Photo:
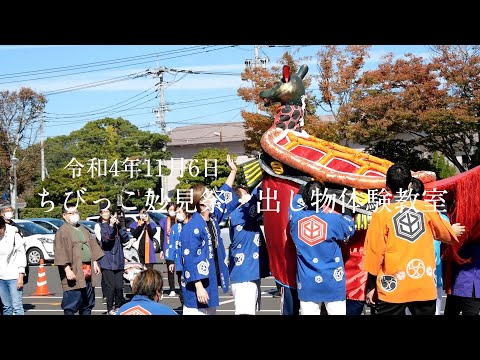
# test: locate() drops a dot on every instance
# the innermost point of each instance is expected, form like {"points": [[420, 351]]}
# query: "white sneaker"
{"points": [[172, 294], [112, 312]]}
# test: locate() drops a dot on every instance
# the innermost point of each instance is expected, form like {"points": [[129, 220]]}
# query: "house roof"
{"points": [[203, 133]]}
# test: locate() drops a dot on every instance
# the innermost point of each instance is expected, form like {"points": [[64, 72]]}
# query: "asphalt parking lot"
{"points": [[43, 305]]}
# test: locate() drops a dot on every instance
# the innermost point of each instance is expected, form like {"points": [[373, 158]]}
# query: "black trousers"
{"points": [[415, 307], [459, 304], [104, 288], [179, 278], [113, 287], [170, 275]]}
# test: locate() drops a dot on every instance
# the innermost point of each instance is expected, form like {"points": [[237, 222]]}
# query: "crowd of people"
{"points": [[340, 269]]}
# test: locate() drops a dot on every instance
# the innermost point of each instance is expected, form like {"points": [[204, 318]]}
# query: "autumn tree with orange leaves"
{"points": [[436, 102], [256, 124], [19, 115]]}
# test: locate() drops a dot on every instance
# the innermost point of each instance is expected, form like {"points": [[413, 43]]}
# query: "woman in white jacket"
{"points": [[12, 268]]}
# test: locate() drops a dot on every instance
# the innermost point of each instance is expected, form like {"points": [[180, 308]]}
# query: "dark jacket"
{"points": [[139, 232], [112, 239]]}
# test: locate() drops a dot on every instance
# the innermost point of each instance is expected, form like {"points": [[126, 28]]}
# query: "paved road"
{"points": [[42, 305]]}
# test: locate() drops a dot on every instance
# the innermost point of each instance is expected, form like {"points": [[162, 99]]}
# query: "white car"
{"points": [[38, 241]]}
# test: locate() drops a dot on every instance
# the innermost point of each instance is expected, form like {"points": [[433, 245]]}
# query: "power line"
{"points": [[209, 98], [109, 68], [117, 110], [97, 63], [92, 84], [111, 111], [97, 110], [204, 116]]}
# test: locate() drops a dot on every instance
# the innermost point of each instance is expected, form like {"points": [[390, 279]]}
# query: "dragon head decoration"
{"points": [[289, 90]]}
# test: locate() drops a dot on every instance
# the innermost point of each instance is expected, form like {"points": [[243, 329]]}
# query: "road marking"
{"points": [[44, 303], [51, 297], [103, 311], [221, 310], [59, 310], [226, 302]]}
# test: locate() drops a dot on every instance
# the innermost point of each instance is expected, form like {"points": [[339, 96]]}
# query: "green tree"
{"points": [[197, 173], [115, 143], [404, 151], [443, 168]]}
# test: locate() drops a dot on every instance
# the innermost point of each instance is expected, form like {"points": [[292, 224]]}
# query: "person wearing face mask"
{"points": [[172, 253], [248, 256], [147, 293], [7, 214], [144, 230], [12, 268], [166, 224], [6, 211], [112, 263], [202, 249], [76, 255]]}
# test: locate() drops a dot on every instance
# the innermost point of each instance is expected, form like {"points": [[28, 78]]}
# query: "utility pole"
{"points": [[42, 150], [14, 197], [160, 111], [162, 108], [257, 62], [219, 133]]}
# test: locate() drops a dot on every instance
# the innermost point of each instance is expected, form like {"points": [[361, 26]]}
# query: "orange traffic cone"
{"points": [[42, 287]]}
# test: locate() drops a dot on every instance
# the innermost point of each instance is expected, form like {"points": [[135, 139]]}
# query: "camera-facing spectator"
{"points": [[144, 230], [113, 235]]}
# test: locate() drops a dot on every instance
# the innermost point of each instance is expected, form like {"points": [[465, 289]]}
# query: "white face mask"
{"points": [[74, 218], [171, 213], [8, 215], [180, 217]]}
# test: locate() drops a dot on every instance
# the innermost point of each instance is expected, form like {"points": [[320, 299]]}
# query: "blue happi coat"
{"points": [[317, 237], [248, 256], [196, 247], [173, 249], [142, 305]]}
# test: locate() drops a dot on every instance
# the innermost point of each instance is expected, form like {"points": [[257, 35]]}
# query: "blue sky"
{"points": [[85, 83]]}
